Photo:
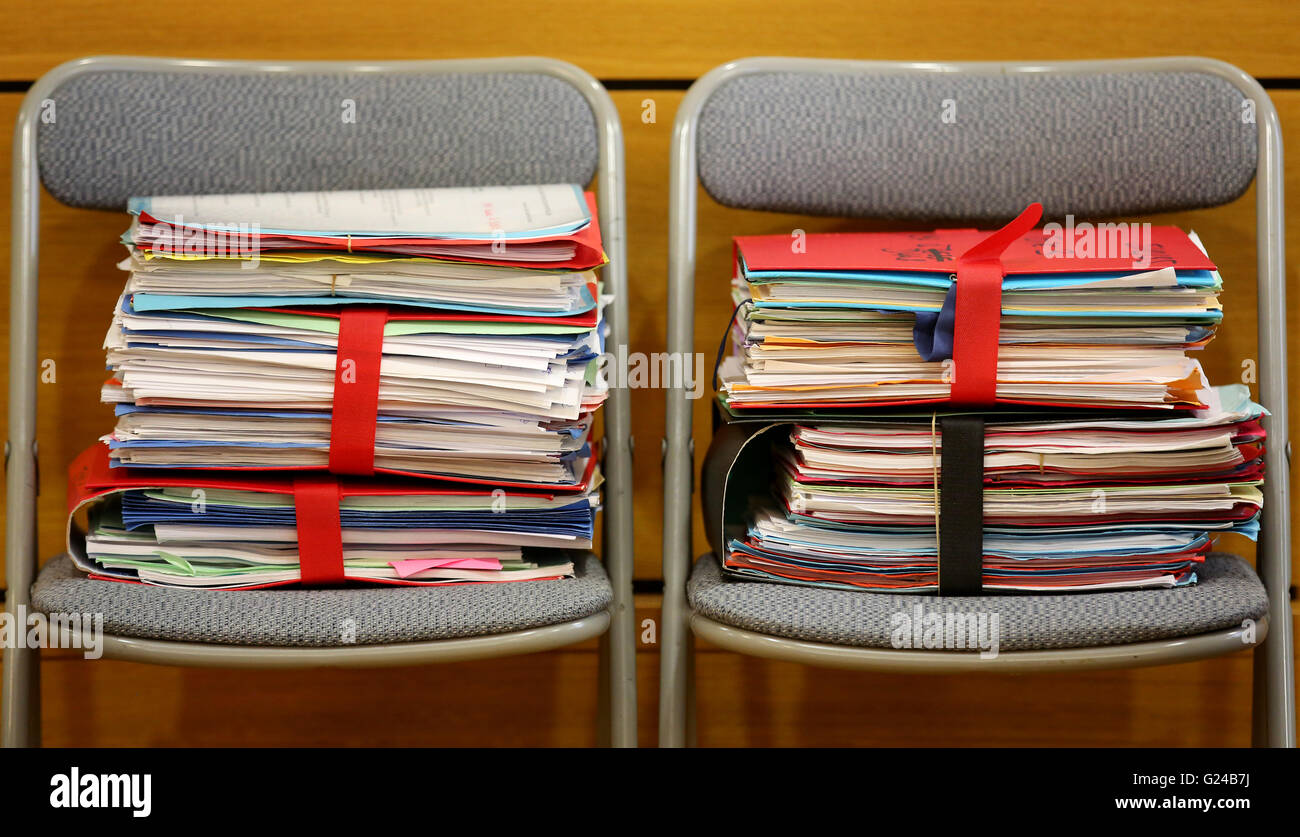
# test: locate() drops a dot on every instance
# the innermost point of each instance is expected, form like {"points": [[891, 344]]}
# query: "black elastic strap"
{"points": [[961, 506]]}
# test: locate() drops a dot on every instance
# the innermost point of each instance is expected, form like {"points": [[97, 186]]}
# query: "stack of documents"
{"points": [[223, 532], [1071, 503], [223, 345], [539, 225], [451, 337], [847, 320]]}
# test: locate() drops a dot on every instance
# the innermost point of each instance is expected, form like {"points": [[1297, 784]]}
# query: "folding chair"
{"points": [[141, 126], [867, 139]]}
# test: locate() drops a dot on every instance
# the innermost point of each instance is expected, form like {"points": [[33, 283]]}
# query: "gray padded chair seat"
{"points": [[1229, 592], [317, 618]]}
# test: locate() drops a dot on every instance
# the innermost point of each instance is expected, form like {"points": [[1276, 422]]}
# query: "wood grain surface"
{"points": [[550, 699], [625, 39]]}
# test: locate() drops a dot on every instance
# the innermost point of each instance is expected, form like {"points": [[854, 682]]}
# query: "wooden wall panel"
{"points": [[546, 700], [662, 39], [538, 700], [549, 700], [751, 702], [80, 284]]}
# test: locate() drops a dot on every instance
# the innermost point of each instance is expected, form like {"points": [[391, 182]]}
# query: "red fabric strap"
{"points": [[356, 390], [978, 313], [320, 533], [975, 333]]}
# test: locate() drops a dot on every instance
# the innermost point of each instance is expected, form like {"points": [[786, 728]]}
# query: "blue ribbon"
{"points": [[932, 332]]}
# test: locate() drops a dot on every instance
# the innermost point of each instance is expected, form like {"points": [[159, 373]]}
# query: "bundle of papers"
{"points": [[847, 320], [223, 347], [492, 225], [1071, 503], [229, 533]]}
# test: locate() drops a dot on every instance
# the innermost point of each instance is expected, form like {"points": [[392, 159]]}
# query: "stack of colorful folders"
{"points": [[226, 531], [857, 320], [1070, 503], [1117, 468], [436, 351]]}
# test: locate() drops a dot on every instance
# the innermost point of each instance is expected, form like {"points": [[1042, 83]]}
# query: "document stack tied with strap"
{"points": [[1073, 442], [393, 386]]}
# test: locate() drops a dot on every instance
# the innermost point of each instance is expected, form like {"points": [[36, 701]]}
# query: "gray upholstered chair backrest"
{"points": [[942, 145], [119, 133]]}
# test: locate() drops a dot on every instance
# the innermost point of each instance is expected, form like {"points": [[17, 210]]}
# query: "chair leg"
{"points": [[692, 739], [1258, 698], [21, 693], [621, 675], [604, 722], [1273, 716], [674, 679]]}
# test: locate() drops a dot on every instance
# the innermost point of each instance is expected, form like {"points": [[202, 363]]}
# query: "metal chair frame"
{"points": [[1273, 688], [20, 719]]}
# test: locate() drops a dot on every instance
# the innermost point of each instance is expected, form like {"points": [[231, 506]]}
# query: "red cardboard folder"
{"points": [[938, 251]]}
